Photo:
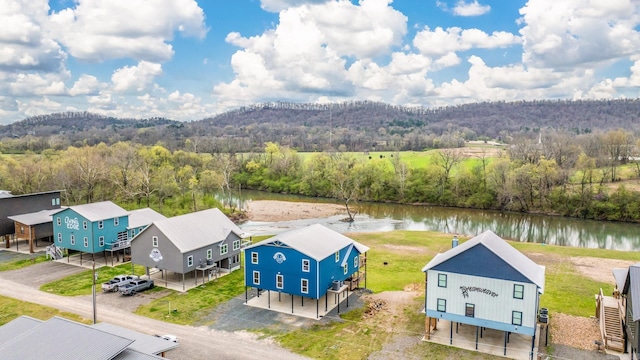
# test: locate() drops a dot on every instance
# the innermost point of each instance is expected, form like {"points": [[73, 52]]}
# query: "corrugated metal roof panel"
{"points": [[99, 210], [62, 339], [129, 354], [17, 326], [196, 230], [501, 248], [143, 217], [34, 218], [144, 343], [316, 241]]}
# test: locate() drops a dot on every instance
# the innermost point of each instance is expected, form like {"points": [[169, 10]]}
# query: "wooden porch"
{"points": [[610, 313]]}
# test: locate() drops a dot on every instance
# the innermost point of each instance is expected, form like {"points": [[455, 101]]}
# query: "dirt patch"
{"points": [[272, 210], [599, 269], [577, 332]]}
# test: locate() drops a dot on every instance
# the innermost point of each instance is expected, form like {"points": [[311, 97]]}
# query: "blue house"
{"points": [[312, 262], [90, 228]]}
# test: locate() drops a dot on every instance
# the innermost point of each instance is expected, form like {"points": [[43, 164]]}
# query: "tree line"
{"points": [[592, 175]]}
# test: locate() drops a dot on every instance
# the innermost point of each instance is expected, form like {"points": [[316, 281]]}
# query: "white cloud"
{"points": [[97, 30], [135, 78], [441, 42], [35, 84], [39, 106], [86, 85], [566, 33], [279, 5], [473, 8]]}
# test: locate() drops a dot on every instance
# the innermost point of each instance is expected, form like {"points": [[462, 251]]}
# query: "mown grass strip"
{"points": [[81, 283], [12, 308], [21, 263]]}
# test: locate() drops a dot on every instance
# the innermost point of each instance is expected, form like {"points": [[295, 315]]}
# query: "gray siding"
{"points": [[24, 204]]}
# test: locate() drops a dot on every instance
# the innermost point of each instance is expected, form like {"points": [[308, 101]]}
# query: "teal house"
{"points": [[90, 228]]}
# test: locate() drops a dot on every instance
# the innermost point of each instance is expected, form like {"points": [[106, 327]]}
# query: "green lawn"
{"points": [[19, 264], [81, 283], [12, 309]]}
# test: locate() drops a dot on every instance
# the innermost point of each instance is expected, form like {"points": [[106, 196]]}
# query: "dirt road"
{"points": [[195, 342]]}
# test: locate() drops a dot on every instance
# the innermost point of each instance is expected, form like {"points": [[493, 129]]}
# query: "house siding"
{"points": [[71, 223], [493, 300], [24, 204]]}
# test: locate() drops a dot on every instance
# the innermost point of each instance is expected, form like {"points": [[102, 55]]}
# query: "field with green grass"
{"points": [[19, 264], [81, 283], [12, 309]]}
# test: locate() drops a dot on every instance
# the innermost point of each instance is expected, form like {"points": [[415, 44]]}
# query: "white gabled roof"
{"points": [[502, 249], [315, 241], [196, 230], [143, 217], [98, 211]]}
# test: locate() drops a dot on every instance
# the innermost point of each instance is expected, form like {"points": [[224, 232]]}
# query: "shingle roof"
{"points": [[196, 230], [34, 218], [98, 211], [143, 217], [315, 241], [144, 343], [495, 244], [62, 339]]}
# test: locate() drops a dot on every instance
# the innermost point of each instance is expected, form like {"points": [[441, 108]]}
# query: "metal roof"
{"points": [[632, 285], [62, 339], [98, 211], [143, 343], [5, 194], [620, 275], [316, 241], [35, 218], [17, 326], [143, 217], [129, 354], [196, 230], [502, 249]]}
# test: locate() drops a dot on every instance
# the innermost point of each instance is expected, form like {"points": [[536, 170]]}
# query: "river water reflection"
{"points": [[541, 229]]}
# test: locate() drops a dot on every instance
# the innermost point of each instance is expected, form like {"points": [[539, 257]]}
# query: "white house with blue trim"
{"points": [[486, 283], [311, 262]]}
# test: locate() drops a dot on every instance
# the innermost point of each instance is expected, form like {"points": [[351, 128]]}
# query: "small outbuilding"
{"points": [[205, 242], [486, 283], [311, 262], [33, 227]]}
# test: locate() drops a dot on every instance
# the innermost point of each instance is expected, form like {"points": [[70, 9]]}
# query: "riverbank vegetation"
{"points": [[593, 176]]}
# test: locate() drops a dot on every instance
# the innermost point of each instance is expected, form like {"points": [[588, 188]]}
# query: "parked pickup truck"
{"points": [[117, 282], [136, 286]]}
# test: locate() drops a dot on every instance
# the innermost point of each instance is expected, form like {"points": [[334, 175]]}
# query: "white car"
{"points": [[172, 338]]}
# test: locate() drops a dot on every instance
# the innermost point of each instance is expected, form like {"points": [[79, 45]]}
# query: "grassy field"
{"points": [[19, 264], [12, 309]]}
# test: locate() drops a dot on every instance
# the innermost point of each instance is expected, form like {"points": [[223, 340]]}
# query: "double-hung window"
{"points": [[304, 286], [86, 242], [101, 241], [116, 221], [256, 278], [306, 265], [73, 239], [190, 261], [59, 237], [470, 310], [84, 224], [59, 220], [154, 241], [345, 268], [356, 262], [224, 248], [209, 254], [442, 280], [100, 224], [442, 305], [279, 281], [518, 291], [236, 245], [516, 318], [254, 257], [337, 256]]}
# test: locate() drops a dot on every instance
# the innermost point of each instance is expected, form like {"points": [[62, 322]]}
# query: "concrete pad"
{"points": [[491, 342], [303, 307], [171, 280]]}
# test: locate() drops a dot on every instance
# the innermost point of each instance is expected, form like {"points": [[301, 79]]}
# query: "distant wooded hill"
{"points": [[354, 125]]}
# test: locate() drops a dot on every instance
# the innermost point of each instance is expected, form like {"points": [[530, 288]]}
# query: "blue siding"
{"points": [[72, 223], [482, 262], [320, 276]]}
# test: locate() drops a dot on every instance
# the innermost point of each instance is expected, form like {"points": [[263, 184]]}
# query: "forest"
{"points": [[591, 175]]}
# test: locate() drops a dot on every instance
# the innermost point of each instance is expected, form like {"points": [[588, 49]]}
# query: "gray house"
{"points": [[201, 243], [11, 205]]}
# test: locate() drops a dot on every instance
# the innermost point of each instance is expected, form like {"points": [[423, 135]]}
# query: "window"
{"points": [[442, 280], [337, 256], [21, 229], [57, 201], [236, 245], [84, 224], [59, 221], [304, 286], [59, 237], [224, 248], [470, 310], [279, 281], [73, 239], [305, 265], [345, 268], [442, 305], [254, 257], [235, 259], [101, 241], [209, 254], [518, 291], [132, 233], [53, 202], [100, 224], [356, 262], [116, 221], [256, 278], [86, 242], [190, 261], [516, 317], [154, 240]]}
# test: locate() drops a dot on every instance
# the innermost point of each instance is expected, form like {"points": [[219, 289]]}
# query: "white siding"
{"points": [[487, 307]]}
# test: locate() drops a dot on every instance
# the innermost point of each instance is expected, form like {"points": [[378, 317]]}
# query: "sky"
{"points": [[187, 60]]}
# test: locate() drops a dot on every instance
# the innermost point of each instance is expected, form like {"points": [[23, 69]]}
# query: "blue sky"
{"points": [[188, 59]]}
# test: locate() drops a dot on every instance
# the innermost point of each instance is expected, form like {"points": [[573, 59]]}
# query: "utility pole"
{"points": [[93, 289]]}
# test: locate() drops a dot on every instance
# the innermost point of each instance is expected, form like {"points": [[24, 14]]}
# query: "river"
{"points": [[543, 229]]}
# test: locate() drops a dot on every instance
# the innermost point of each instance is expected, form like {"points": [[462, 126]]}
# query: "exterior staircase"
{"points": [[54, 252], [610, 316]]}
